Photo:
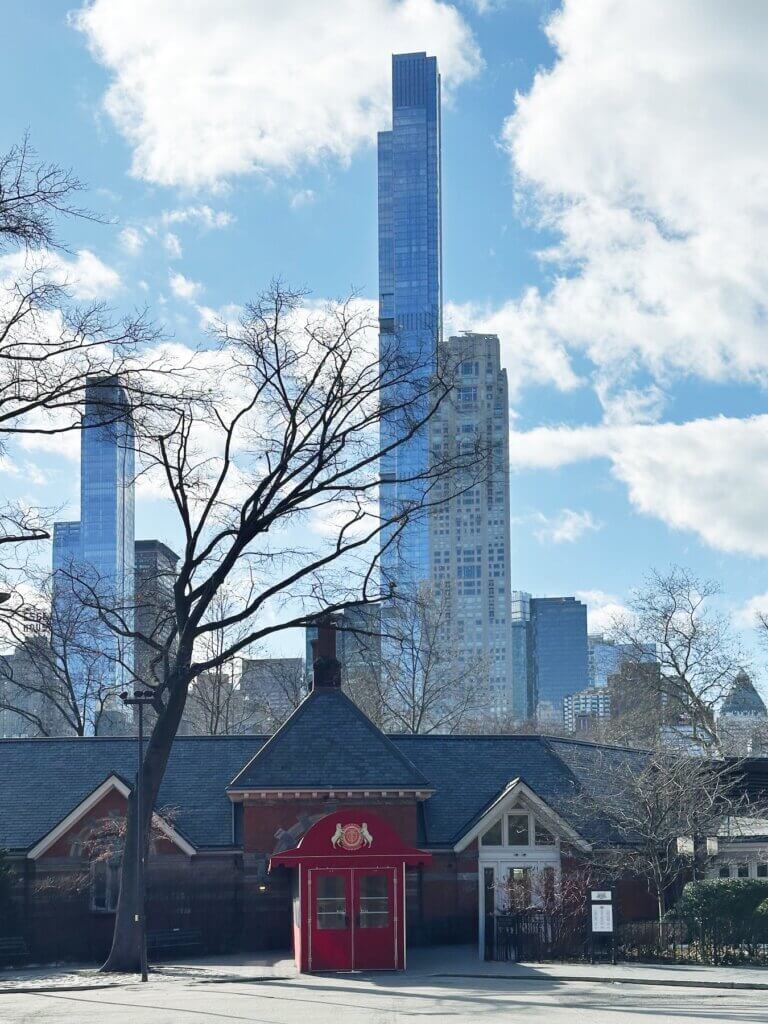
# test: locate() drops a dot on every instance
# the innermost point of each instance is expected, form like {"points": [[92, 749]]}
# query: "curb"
{"points": [[159, 976], [31, 989], [607, 979]]}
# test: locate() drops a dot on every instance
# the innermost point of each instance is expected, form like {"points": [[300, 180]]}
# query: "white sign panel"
{"points": [[601, 894], [602, 917]]}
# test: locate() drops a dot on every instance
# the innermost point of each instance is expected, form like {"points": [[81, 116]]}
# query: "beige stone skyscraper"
{"points": [[469, 536]]}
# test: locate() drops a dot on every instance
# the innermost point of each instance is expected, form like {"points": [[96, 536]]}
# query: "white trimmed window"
{"points": [[518, 828]]}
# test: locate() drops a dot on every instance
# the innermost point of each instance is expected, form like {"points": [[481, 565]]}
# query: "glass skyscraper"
{"points": [[558, 634], [99, 549], [549, 654], [410, 294]]}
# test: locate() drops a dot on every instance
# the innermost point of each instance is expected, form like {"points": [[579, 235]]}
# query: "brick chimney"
{"points": [[326, 668]]}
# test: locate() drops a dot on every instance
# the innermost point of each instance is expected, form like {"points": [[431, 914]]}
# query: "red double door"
{"points": [[353, 921]]}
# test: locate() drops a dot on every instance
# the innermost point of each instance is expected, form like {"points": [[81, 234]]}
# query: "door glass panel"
{"points": [[374, 901], [518, 829], [489, 888], [331, 906], [519, 888]]}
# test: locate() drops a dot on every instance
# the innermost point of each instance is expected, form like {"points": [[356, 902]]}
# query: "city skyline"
{"points": [[601, 479]]}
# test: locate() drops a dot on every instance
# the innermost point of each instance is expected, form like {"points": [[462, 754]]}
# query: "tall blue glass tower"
{"points": [[410, 295], [99, 549]]}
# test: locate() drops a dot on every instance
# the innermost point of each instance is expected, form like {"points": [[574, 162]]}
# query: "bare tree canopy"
{"points": [[50, 346], [671, 614], [419, 679], [657, 808]]}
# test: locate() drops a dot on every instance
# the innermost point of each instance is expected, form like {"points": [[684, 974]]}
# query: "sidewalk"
{"points": [[441, 962], [463, 962]]}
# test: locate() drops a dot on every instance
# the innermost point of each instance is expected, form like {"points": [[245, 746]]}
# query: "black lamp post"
{"points": [[139, 699]]}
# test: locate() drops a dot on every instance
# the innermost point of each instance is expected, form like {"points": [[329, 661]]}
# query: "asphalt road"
{"points": [[384, 999]]}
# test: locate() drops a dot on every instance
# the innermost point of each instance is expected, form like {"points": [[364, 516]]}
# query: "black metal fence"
{"points": [[534, 935], [694, 942]]}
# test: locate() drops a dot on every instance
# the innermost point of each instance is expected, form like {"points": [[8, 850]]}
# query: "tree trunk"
{"points": [[662, 908], [124, 954]]}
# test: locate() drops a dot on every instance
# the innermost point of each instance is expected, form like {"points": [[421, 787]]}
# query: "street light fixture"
{"points": [[139, 699]]}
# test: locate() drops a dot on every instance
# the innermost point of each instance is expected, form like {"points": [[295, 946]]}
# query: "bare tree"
{"points": [[216, 704], [422, 680], [272, 689], [59, 679], [50, 347], [294, 438], [657, 808], [694, 646]]}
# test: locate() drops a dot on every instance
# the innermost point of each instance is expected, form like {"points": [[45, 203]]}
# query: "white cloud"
{"points": [[131, 240], [565, 527], [89, 277], [644, 146], [602, 609], [237, 86], [183, 288], [302, 198], [707, 476], [172, 245], [529, 354], [746, 615], [86, 276], [200, 214]]}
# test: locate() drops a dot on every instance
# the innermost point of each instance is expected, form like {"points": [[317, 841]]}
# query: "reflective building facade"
{"points": [[100, 547], [558, 634], [410, 291], [549, 654]]}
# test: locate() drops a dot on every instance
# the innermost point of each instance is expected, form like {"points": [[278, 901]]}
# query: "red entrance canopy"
{"points": [[349, 894]]}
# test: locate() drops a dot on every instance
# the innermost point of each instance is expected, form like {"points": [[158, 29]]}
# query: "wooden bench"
{"points": [[174, 940], [13, 949]]}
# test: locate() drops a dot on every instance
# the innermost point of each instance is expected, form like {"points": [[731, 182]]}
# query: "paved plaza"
{"points": [[448, 984], [354, 999]]}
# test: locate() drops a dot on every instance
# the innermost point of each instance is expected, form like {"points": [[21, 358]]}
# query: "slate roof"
{"points": [[328, 743], [743, 699], [469, 772], [42, 780]]}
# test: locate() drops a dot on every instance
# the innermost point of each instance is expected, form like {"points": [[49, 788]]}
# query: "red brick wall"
{"points": [[262, 819]]}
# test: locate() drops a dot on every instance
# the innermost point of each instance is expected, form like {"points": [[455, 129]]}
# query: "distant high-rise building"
{"points": [[521, 656], [581, 709], [155, 574], [469, 535], [410, 294], [560, 665], [271, 689], [98, 549], [607, 656], [743, 719], [358, 642]]}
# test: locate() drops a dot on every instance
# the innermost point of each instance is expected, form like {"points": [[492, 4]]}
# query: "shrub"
{"points": [[723, 900]]}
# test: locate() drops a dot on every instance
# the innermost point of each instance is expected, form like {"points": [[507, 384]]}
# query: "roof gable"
{"points": [[518, 794], [329, 744], [112, 782], [42, 780]]}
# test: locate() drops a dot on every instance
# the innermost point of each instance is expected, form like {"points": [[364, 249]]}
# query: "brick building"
{"points": [[462, 815]]}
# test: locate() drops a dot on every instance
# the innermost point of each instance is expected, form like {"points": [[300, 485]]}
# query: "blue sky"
{"points": [[605, 211]]}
